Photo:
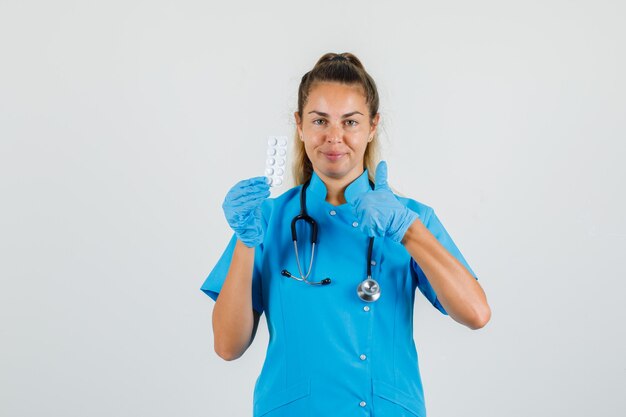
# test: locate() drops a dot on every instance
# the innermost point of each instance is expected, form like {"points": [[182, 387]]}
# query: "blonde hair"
{"points": [[343, 68]]}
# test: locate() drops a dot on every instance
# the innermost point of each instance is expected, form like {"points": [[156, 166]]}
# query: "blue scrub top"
{"points": [[330, 353]]}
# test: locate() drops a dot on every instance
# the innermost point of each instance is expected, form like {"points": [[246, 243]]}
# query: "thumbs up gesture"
{"points": [[380, 213]]}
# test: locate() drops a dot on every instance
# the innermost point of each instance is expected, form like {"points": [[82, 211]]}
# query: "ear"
{"points": [[374, 124], [296, 116]]}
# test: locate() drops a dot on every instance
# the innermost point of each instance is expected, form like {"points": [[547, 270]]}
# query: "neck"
{"points": [[335, 193], [335, 187]]}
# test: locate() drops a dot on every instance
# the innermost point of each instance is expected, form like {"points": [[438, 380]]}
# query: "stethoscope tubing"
{"points": [[368, 290]]}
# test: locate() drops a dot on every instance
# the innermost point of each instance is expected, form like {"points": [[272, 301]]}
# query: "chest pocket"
{"points": [[294, 401]]}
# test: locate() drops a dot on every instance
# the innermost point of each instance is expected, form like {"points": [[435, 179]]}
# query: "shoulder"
{"points": [[281, 201]]}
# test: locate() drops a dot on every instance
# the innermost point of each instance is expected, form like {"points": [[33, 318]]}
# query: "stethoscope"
{"points": [[368, 290]]}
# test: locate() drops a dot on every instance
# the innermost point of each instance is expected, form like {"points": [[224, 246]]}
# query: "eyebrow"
{"points": [[344, 116]]}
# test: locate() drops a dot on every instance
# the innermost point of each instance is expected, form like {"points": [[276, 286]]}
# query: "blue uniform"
{"points": [[330, 353]]}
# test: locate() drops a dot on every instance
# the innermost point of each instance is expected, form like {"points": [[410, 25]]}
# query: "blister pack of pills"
{"points": [[276, 161]]}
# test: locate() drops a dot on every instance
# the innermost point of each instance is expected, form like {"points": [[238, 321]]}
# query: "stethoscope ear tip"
{"points": [[326, 281], [285, 273]]}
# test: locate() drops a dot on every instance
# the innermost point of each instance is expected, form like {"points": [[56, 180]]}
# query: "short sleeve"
{"points": [[214, 281], [433, 224]]}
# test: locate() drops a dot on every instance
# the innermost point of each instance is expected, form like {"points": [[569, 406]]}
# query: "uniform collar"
{"points": [[359, 185]]}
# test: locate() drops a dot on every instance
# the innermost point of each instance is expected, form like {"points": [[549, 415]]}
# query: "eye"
{"points": [[352, 122], [318, 121]]}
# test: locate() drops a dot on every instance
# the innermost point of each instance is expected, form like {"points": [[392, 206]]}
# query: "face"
{"points": [[335, 128]]}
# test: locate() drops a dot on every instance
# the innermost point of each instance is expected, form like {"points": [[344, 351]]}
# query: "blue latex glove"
{"points": [[242, 208], [379, 212]]}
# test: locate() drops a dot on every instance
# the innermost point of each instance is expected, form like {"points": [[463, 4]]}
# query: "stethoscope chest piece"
{"points": [[368, 290]]}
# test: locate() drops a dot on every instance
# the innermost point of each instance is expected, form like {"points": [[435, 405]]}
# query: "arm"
{"points": [[457, 290], [234, 320]]}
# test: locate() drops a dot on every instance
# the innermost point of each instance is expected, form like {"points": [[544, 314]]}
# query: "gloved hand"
{"points": [[242, 208], [379, 212]]}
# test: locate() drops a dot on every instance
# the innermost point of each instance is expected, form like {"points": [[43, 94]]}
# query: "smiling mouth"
{"points": [[333, 156]]}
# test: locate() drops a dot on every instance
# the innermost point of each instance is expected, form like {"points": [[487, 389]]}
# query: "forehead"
{"points": [[332, 97]]}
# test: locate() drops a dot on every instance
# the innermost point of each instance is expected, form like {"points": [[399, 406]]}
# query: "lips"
{"points": [[333, 156]]}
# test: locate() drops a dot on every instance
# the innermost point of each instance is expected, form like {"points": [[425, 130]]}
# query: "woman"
{"points": [[336, 347]]}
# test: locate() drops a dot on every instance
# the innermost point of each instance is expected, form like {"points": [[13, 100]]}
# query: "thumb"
{"points": [[381, 176]]}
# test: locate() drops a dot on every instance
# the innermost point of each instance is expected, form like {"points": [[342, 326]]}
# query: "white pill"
{"points": [[276, 159]]}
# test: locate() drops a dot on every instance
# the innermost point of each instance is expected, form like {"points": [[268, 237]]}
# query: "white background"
{"points": [[124, 123]]}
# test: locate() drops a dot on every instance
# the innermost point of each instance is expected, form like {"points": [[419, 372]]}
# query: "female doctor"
{"points": [[338, 301]]}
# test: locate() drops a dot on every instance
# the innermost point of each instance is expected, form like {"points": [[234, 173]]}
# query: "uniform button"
{"points": [[362, 403], [363, 357], [355, 224], [366, 308], [373, 262], [333, 212]]}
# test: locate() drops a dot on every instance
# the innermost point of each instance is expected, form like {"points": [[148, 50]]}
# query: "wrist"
{"points": [[250, 237], [414, 231]]}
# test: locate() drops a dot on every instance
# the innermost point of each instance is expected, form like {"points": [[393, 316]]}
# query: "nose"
{"points": [[334, 135]]}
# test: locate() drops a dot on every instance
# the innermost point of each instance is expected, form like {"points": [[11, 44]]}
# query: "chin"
{"points": [[337, 172], [331, 173]]}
